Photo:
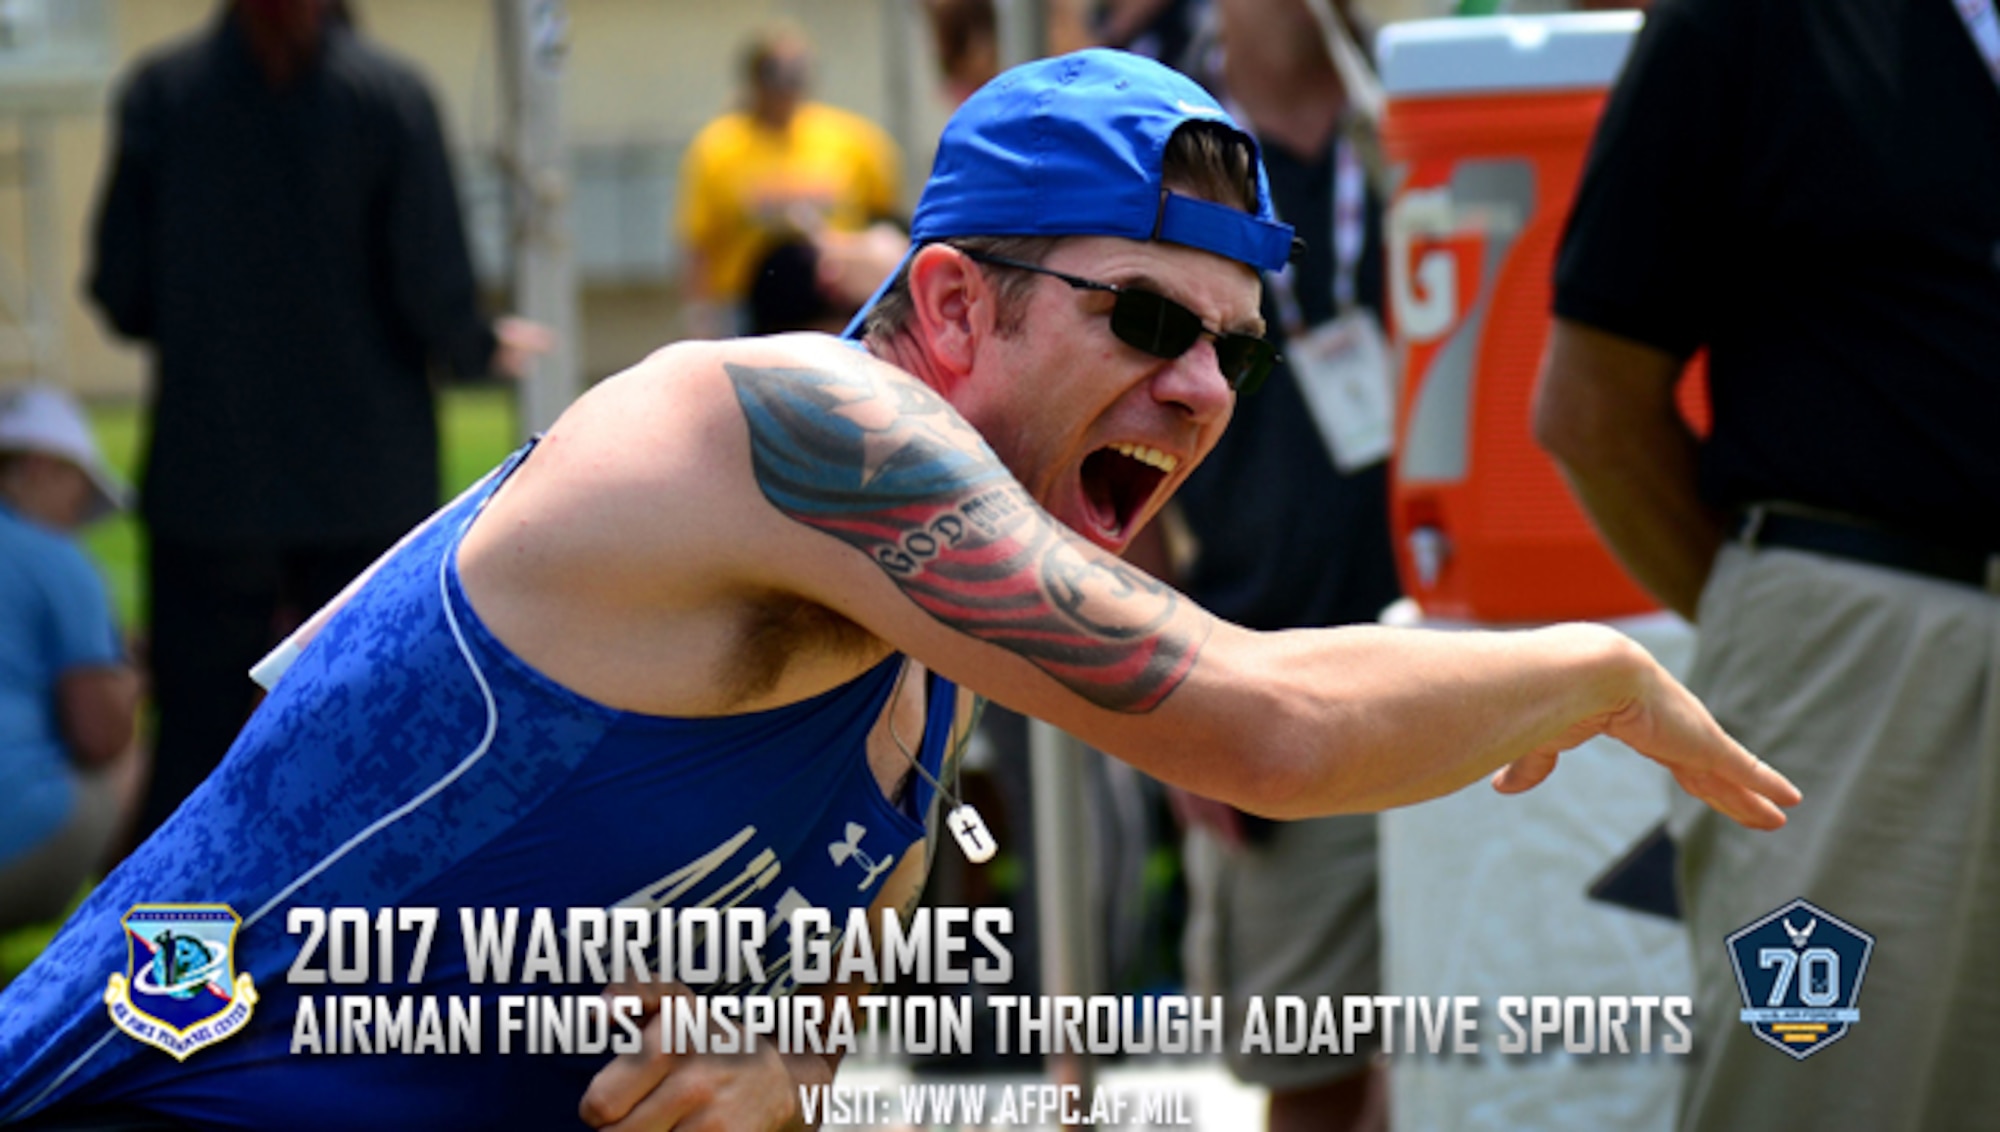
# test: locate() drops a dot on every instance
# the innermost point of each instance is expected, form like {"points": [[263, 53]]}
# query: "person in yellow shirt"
{"points": [[781, 168]]}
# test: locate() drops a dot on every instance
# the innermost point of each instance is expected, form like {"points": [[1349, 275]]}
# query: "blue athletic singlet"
{"points": [[408, 758]]}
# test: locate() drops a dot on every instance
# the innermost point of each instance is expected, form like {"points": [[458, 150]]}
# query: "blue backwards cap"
{"points": [[1073, 146]]}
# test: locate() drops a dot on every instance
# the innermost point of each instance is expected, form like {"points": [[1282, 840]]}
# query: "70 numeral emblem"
{"points": [[1818, 966]]}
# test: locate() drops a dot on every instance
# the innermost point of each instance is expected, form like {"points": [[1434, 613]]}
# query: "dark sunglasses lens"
{"points": [[1154, 323], [1245, 361], [1165, 329]]}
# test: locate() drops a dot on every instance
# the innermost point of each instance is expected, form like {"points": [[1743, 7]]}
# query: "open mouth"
{"points": [[1119, 480]]}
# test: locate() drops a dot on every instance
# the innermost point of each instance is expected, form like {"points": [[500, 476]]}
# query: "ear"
{"points": [[953, 308]]}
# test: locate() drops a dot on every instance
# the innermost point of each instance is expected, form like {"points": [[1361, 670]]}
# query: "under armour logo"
{"points": [[840, 851], [1800, 935]]}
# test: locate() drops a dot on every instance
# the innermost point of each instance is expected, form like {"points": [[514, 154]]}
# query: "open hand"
{"points": [[1667, 724]]}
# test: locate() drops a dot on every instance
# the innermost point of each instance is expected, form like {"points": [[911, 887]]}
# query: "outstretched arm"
{"points": [[976, 580]]}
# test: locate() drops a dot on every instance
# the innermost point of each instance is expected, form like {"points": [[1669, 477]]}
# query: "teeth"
{"points": [[1152, 456]]}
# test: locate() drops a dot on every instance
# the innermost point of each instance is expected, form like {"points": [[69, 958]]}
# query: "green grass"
{"points": [[480, 427], [19, 947], [477, 425], [115, 541]]}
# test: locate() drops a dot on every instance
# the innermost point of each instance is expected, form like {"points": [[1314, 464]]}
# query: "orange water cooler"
{"points": [[1487, 124]]}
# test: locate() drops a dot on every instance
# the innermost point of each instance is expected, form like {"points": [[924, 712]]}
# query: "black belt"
{"points": [[1877, 546]]}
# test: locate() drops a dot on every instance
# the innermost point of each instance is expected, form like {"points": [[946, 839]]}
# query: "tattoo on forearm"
{"points": [[892, 470]]}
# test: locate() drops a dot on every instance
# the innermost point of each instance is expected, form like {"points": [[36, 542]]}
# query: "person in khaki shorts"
{"points": [[1836, 536]]}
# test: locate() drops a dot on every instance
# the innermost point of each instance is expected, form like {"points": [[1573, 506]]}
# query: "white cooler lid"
{"points": [[1560, 51]]}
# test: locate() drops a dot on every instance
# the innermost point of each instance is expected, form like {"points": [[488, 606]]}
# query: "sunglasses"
{"points": [[1159, 326]]}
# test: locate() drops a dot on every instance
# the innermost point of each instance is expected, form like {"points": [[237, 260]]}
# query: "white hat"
{"points": [[42, 418]]}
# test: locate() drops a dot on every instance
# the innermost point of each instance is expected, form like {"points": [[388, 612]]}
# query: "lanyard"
{"points": [[1350, 208], [1350, 184], [1984, 27]]}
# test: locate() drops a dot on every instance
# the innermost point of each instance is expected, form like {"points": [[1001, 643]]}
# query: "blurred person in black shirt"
{"points": [[280, 226], [1811, 192]]}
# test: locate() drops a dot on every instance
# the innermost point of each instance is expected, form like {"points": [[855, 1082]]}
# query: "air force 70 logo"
{"points": [[1799, 970], [180, 990]]}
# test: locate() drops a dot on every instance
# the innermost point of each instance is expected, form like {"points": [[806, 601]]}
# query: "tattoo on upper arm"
{"points": [[891, 469]]}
